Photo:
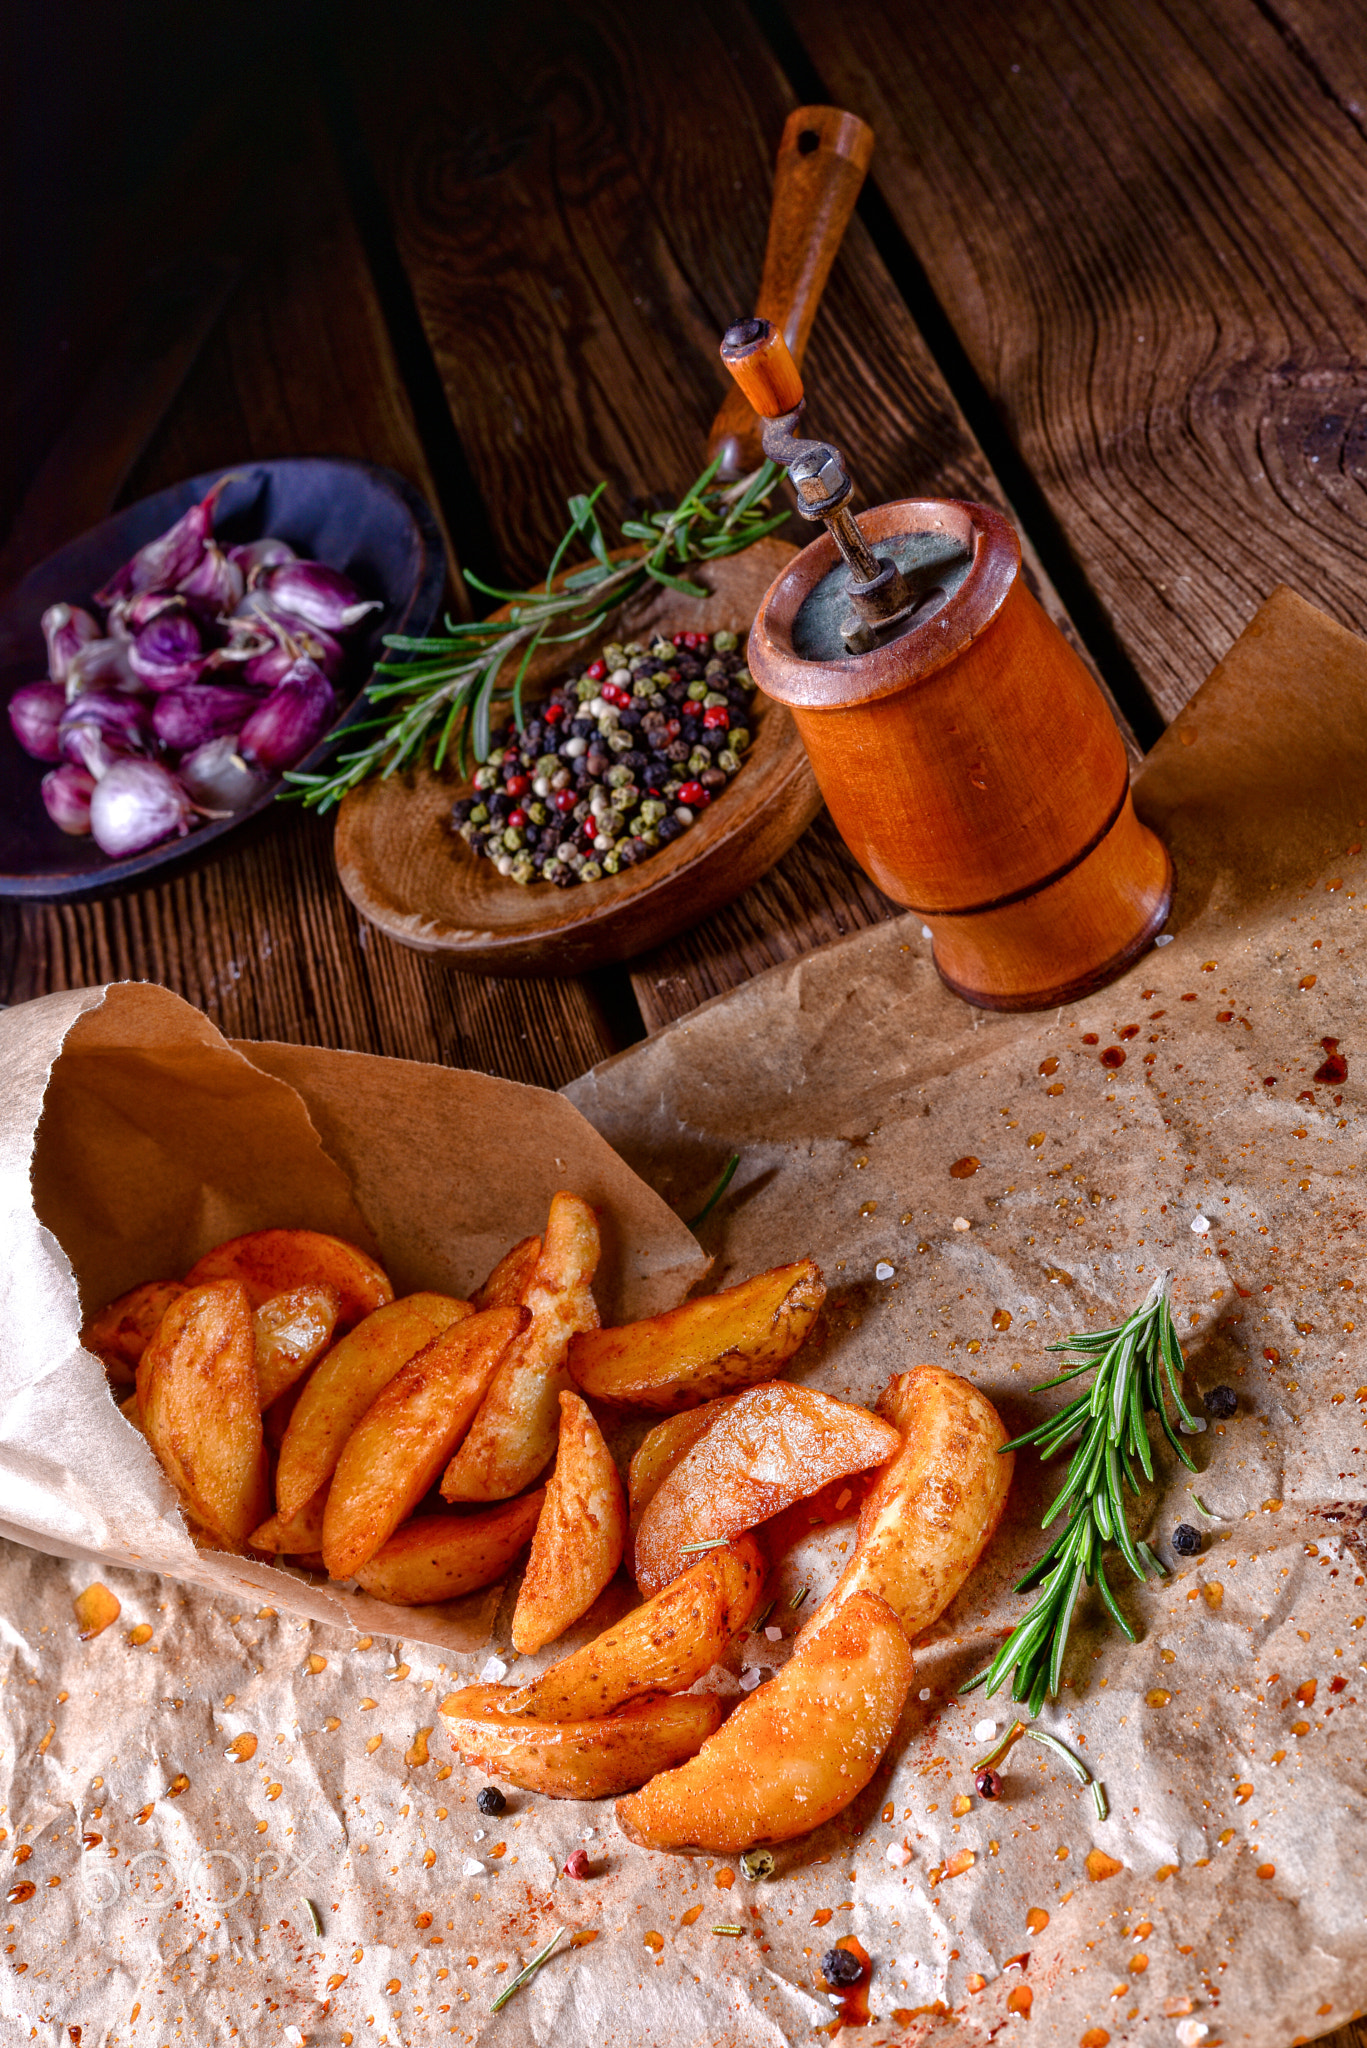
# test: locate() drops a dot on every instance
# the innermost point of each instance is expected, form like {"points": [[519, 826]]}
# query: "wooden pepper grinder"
{"points": [[968, 758]]}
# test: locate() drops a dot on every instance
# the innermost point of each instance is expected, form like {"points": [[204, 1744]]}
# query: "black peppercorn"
{"points": [[1186, 1541], [1221, 1402], [838, 1966], [491, 1800], [670, 828], [987, 1784]]}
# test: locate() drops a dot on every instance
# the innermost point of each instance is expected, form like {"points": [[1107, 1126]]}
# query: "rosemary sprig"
{"points": [[438, 693], [1137, 1364]]}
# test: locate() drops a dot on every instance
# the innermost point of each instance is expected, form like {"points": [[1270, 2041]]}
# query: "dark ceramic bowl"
{"points": [[365, 521]]}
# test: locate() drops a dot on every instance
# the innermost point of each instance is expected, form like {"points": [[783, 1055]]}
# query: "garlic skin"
{"points": [[215, 582], [98, 729], [66, 629], [219, 780], [255, 555], [66, 798], [318, 595], [100, 665], [172, 556]]}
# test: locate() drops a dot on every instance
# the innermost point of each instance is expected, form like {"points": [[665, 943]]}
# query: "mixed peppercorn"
{"points": [[617, 762]]}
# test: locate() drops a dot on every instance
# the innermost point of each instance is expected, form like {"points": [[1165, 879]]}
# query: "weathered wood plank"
{"points": [[1143, 221]]}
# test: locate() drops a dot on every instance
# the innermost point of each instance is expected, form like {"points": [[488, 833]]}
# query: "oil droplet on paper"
{"points": [[1021, 2000], [96, 1609], [141, 1634], [241, 1749], [180, 1783], [724, 1880], [821, 1916], [1157, 1697], [19, 1893], [1001, 1318], [313, 1663], [1100, 1866], [1037, 1919], [1095, 2037], [687, 1919], [588, 1934], [965, 1168], [417, 1753], [653, 1941]]}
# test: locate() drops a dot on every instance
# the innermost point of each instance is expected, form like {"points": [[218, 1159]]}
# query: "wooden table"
{"points": [[1108, 272]]}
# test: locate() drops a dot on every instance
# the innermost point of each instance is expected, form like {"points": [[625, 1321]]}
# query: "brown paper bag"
{"points": [[134, 1137]]}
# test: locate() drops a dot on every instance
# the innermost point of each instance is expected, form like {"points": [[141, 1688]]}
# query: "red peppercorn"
{"points": [[553, 713], [596, 671], [578, 1864], [673, 728], [693, 794], [564, 799], [517, 819], [717, 715], [681, 639], [987, 1784], [517, 784], [690, 708]]}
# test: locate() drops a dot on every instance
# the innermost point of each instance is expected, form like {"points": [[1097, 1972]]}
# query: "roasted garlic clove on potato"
{"points": [[200, 1412], [345, 1383], [580, 1535], [120, 1334], [440, 1557], [795, 1752], [770, 1446], [271, 1262], [515, 1433], [291, 1332], [661, 1646], [407, 1434], [934, 1508], [578, 1759], [714, 1345]]}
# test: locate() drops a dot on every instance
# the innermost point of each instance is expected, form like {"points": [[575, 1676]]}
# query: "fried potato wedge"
{"points": [[298, 1535], [271, 1262], [511, 1277], [345, 1383], [200, 1411], [120, 1334], [580, 1536], [935, 1507], [439, 1557], [578, 1759], [659, 1452], [773, 1445], [291, 1332], [710, 1346], [662, 1646], [516, 1431], [410, 1429], [793, 1754]]}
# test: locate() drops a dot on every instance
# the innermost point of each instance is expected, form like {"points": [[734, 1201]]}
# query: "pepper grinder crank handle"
{"points": [[756, 354]]}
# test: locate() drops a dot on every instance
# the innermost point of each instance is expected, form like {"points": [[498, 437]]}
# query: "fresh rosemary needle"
{"points": [[432, 697], [1137, 1365]]}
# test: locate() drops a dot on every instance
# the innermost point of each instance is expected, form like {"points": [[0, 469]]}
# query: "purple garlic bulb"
{"points": [[134, 806], [215, 583], [218, 778], [184, 718], [98, 729], [66, 796], [317, 594], [35, 712], [168, 652], [293, 718], [66, 629], [100, 665], [255, 555], [163, 563]]}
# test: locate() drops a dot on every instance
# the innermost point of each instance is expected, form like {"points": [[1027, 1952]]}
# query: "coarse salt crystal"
{"points": [[898, 1854], [472, 1867], [983, 1731], [749, 1679], [292, 2034], [883, 1271], [962, 1223], [1164, 939], [924, 1693], [494, 1669], [479, 1834], [1189, 2032], [774, 1633], [926, 932], [1200, 1224]]}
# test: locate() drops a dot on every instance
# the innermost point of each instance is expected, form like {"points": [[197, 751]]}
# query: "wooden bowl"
{"points": [[408, 873]]}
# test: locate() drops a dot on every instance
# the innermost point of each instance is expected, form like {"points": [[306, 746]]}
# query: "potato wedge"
{"points": [[935, 1507], [298, 1535], [407, 1434], [291, 1332], [511, 1277], [662, 1646], [515, 1433], [580, 1535], [774, 1444], [714, 1345], [439, 1557], [578, 1759], [120, 1334], [345, 1383], [271, 1262], [659, 1452], [793, 1754], [200, 1412]]}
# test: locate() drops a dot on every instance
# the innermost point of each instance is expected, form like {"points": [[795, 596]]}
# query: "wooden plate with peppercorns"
{"points": [[407, 870]]}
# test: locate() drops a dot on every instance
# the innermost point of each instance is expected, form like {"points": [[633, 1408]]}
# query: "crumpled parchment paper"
{"points": [[1223, 1892]]}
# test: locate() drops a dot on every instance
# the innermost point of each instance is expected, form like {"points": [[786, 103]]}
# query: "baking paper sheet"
{"points": [[1225, 1889]]}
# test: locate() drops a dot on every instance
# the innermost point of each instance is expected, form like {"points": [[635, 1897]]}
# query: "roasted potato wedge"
{"points": [[407, 1434], [291, 1332], [439, 1557], [511, 1277], [711, 1346], [343, 1386], [120, 1334], [515, 1433], [580, 1535], [300, 1535], [773, 1445], [662, 1646], [200, 1412], [793, 1754], [271, 1262], [935, 1507], [578, 1759], [659, 1452]]}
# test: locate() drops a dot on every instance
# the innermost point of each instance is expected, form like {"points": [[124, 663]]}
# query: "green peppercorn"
{"points": [[697, 691], [512, 840], [712, 697], [724, 642], [739, 740], [584, 689], [479, 814], [698, 760], [467, 831], [652, 810], [727, 761], [497, 756], [591, 871], [644, 686], [612, 861], [715, 668], [553, 870], [647, 835], [618, 777], [624, 798], [538, 813], [546, 764], [660, 649], [524, 869], [485, 778], [620, 742]]}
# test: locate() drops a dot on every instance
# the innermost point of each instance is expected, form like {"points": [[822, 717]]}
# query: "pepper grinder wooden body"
{"points": [[971, 763]]}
